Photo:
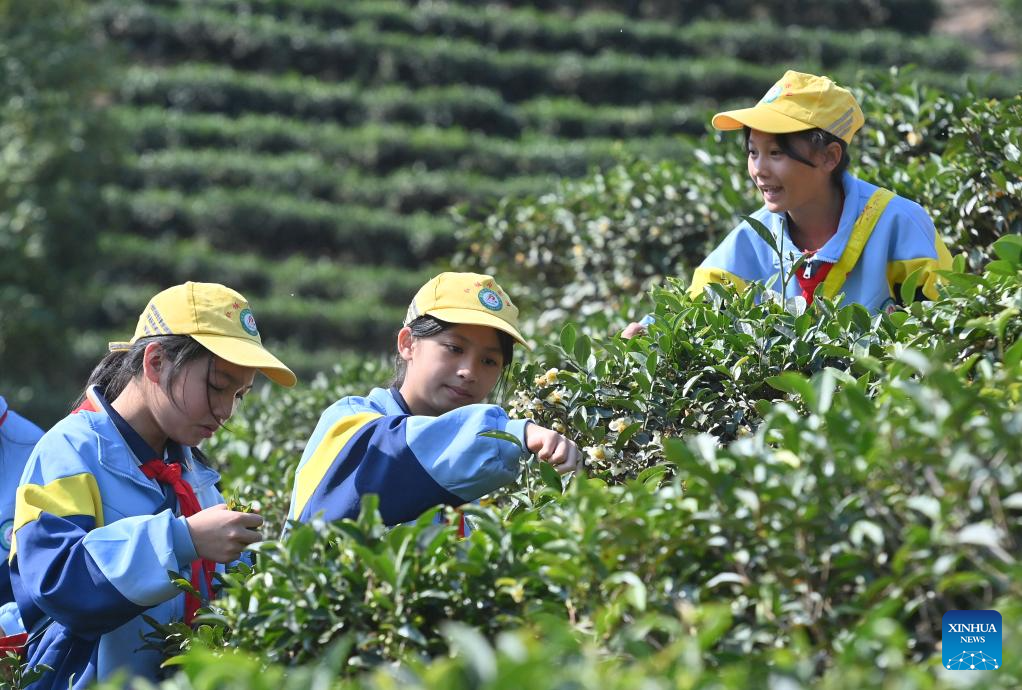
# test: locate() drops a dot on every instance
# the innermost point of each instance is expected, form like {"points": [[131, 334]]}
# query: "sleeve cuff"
{"points": [[516, 427], [184, 549], [10, 619]]}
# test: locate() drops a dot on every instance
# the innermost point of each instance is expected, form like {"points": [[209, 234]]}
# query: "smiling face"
{"points": [[788, 185], [457, 367], [197, 402]]}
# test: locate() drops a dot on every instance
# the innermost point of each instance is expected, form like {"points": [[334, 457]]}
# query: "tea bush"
{"points": [[772, 497]]}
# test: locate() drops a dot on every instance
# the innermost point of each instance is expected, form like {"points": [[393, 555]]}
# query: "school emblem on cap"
{"points": [[248, 322], [490, 299], [773, 94], [6, 534]]}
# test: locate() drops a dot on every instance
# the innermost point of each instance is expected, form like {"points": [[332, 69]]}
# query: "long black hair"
{"points": [[427, 326], [818, 141], [115, 371], [118, 368]]}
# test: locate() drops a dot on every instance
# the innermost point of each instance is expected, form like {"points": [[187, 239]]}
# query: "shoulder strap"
{"points": [[861, 231]]}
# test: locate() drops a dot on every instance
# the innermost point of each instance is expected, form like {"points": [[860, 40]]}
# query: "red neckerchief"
{"points": [[809, 279], [202, 569], [3, 418]]}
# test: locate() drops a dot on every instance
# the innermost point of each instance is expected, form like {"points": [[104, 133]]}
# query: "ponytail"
{"points": [[115, 371]]}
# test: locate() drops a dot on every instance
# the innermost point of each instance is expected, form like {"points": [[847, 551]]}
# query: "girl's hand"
{"points": [[552, 447], [220, 535], [633, 329]]}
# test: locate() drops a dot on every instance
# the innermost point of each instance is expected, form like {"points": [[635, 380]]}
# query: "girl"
{"points": [[417, 444], [17, 438], [857, 239], [114, 496]]}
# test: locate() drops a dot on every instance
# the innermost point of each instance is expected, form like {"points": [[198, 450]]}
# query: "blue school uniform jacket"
{"points": [[374, 445], [94, 539], [902, 240], [17, 438]]}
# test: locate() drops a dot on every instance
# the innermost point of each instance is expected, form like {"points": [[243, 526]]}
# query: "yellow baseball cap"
{"points": [[218, 318], [469, 298], [798, 102]]}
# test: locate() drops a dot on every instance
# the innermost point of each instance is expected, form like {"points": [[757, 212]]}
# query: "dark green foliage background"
{"points": [[58, 151]]}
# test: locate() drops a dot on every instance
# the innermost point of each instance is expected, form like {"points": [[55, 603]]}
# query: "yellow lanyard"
{"points": [[861, 231]]}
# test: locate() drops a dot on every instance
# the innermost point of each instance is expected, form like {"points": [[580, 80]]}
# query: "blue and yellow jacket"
{"points": [[375, 445], [18, 437], [94, 539], [875, 259]]}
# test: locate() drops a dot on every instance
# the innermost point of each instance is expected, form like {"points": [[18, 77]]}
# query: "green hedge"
{"points": [[134, 258], [382, 149], [206, 87], [307, 176], [261, 43], [279, 225], [211, 88], [909, 16], [592, 33]]}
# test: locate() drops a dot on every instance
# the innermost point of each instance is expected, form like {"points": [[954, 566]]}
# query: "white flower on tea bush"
{"points": [[549, 378], [600, 455], [602, 226], [603, 458], [524, 406], [555, 397], [620, 424]]}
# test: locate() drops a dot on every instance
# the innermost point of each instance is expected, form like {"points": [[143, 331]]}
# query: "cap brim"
{"points": [[760, 117], [246, 353], [478, 318]]}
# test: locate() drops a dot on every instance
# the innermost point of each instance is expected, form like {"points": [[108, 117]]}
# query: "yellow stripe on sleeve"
{"points": [[312, 473], [703, 276], [944, 262], [898, 271], [74, 495]]}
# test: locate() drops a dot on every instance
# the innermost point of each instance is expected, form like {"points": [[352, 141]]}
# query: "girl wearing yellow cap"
{"points": [[114, 496], [417, 443], [853, 237]]}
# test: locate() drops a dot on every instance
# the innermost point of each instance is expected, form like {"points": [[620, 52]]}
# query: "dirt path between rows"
{"points": [[976, 22]]}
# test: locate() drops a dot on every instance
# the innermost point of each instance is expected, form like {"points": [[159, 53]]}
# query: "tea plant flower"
{"points": [[620, 424], [547, 379]]}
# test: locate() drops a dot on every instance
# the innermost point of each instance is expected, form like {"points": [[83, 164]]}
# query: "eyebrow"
{"points": [[491, 348], [231, 381]]}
